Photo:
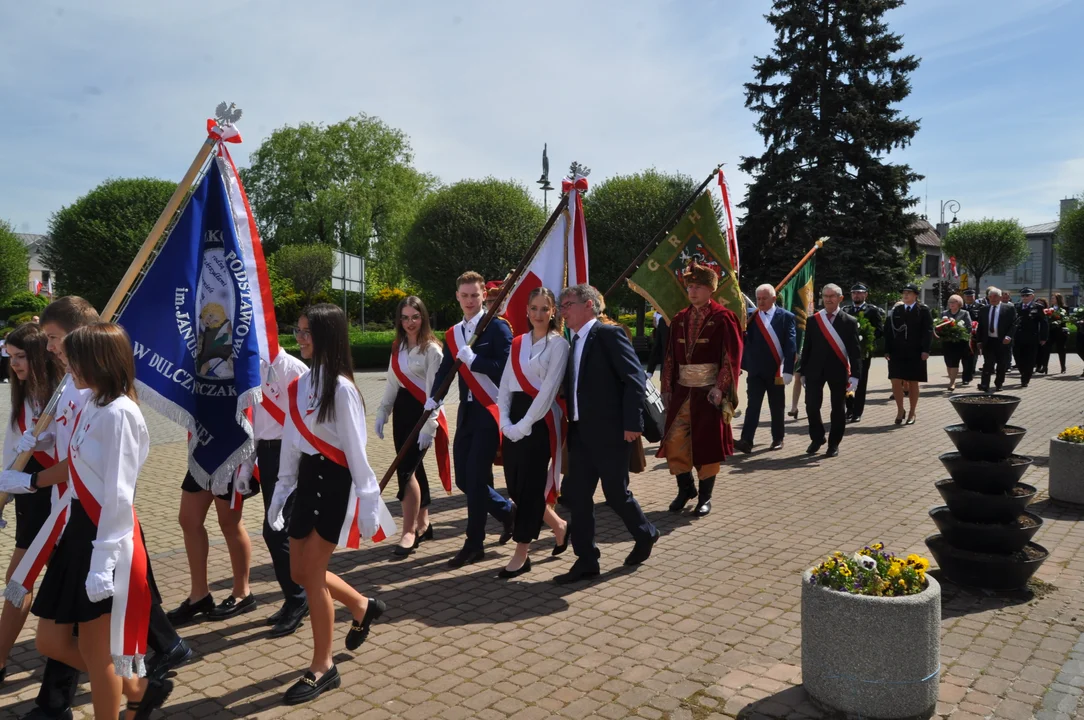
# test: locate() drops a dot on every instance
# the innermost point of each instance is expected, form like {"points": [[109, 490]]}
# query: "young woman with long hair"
{"points": [[337, 498], [98, 576], [531, 424], [415, 359], [33, 376]]}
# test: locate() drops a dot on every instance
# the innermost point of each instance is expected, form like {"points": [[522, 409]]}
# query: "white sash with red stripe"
{"points": [[416, 387], [531, 383], [481, 386], [772, 340], [829, 332], [350, 534]]}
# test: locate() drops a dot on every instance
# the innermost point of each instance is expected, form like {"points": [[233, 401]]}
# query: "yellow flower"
{"points": [[913, 559], [837, 554], [894, 569], [903, 583], [878, 546], [844, 571], [922, 564]]}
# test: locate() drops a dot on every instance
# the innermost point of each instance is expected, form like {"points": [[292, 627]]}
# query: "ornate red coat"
{"points": [[715, 337]]}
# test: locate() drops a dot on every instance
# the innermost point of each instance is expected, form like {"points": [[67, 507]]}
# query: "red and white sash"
{"points": [[417, 390], [830, 334], [555, 417], [44, 459], [131, 612], [350, 535], [483, 389], [772, 340]]}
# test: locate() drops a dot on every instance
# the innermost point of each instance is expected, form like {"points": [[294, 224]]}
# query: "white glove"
{"points": [[380, 420], [243, 483], [431, 404], [28, 442], [466, 355], [788, 378], [523, 429], [282, 493], [511, 433], [15, 482], [220, 485], [368, 513], [852, 385], [424, 441], [99, 582]]}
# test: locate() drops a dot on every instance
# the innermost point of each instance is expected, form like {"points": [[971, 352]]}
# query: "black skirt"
{"points": [[907, 367], [321, 500], [62, 596], [189, 485], [526, 470], [31, 510], [955, 352], [404, 417]]}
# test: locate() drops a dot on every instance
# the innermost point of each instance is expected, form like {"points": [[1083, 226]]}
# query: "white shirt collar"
{"points": [[582, 332], [767, 313]]}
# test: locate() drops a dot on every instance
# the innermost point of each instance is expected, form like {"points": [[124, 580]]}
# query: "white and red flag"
{"points": [[955, 268], [731, 226], [565, 248]]}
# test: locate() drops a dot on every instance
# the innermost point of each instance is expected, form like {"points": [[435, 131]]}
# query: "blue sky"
{"points": [[118, 89]]}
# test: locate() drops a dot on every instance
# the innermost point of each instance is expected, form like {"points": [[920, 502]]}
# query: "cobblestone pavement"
{"points": [[708, 627]]}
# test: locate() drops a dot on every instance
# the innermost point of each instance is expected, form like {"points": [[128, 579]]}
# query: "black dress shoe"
{"points": [[984, 388], [426, 534], [359, 631], [466, 556], [188, 611], [702, 508], [580, 570], [154, 697], [776, 445], [833, 451], [401, 551], [509, 527], [290, 621], [509, 574], [276, 617], [856, 418], [685, 494], [744, 446], [558, 549], [38, 714], [813, 448], [231, 607], [309, 688], [159, 666], [793, 414], [1023, 385], [641, 551]]}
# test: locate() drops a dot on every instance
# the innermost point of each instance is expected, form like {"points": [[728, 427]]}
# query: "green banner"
{"points": [[697, 236], [798, 296]]}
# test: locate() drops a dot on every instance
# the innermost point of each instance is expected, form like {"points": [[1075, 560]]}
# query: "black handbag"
{"points": [[654, 414]]}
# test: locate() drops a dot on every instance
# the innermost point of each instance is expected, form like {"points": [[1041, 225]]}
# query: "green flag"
{"points": [[697, 236], [797, 296]]}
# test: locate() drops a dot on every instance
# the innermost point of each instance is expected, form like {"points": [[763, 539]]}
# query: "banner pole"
{"points": [[816, 246]]}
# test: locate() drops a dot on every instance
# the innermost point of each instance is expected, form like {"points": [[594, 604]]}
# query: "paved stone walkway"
{"points": [[709, 627]]}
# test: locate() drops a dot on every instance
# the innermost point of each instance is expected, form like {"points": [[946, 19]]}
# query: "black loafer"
{"points": [[580, 570], [360, 631], [276, 617], [641, 551], [509, 527], [231, 607], [833, 451], [188, 611], [154, 697], [813, 448], [309, 688], [290, 621], [466, 556], [159, 666], [509, 574]]}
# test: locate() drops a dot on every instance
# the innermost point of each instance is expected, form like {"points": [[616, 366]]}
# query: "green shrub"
{"points": [[21, 318], [23, 302]]}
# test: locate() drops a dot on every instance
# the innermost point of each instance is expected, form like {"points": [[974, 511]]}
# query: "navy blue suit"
{"points": [[758, 362], [477, 436]]}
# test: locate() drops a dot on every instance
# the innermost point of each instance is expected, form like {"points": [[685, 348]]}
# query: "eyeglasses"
{"points": [[569, 303], [300, 334], [410, 318]]}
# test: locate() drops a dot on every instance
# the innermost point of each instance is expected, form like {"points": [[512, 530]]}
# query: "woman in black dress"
{"points": [[1059, 329], [908, 335], [956, 351]]}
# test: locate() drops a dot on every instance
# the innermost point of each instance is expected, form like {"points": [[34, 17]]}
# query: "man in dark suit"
{"points": [[660, 340], [477, 434], [997, 323], [1032, 331], [768, 361], [604, 391], [830, 356], [973, 308], [876, 316]]}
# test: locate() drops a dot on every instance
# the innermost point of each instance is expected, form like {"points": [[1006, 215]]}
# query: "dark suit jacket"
{"points": [[908, 334], [1006, 323], [819, 359], [756, 357], [660, 339], [492, 353], [610, 392], [1032, 325]]}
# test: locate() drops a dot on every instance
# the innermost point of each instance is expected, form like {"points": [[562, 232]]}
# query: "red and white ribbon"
{"points": [[418, 392], [830, 334], [481, 386], [773, 343]]}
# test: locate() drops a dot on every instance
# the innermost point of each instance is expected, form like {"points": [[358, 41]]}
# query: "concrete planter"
{"points": [[1067, 471], [875, 657]]}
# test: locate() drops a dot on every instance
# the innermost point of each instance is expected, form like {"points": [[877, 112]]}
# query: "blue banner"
{"points": [[194, 332]]}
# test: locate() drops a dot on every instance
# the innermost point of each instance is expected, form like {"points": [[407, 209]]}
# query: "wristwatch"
{"points": [[34, 481]]}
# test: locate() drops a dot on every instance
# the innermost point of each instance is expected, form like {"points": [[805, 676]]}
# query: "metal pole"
{"points": [[363, 293]]}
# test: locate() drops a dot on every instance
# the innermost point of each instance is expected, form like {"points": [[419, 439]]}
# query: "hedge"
{"points": [[370, 349]]}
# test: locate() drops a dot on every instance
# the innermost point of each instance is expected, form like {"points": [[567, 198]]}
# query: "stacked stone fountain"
{"points": [[985, 530]]}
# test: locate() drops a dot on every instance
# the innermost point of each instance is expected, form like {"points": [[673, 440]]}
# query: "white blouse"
{"points": [[69, 405], [30, 415], [276, 380], [422, 366], [346, 432], [548, 358]]}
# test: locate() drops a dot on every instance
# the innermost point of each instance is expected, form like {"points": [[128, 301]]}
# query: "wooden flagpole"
{"points": [[134, 269], [509, 283], [662, 233], [816, 246]]}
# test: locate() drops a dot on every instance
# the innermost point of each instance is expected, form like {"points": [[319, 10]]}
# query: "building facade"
{"points": [[38, 271], [1042, 271]]}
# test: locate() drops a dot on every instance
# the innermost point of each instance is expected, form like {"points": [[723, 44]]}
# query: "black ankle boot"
{"points": [[703, 500], [686, 492]]}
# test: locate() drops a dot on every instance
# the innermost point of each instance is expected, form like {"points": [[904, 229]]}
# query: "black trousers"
{"points": [[970, 361], [526, 469], [1057, 344], [588, 464], [1025, 354], [277, 541], [995, 359], [404, 416], [756, 387], [473, 453], [857, 404], [814, 398]]}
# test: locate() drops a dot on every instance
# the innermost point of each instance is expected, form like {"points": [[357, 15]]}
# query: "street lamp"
{"points": [[942, 230], [544, 181]]}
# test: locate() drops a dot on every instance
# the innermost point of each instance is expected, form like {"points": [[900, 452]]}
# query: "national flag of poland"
{"points": [[567, 239], [955, 269]]}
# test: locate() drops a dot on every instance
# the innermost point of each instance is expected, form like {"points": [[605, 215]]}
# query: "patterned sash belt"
{"points": [[698, 375]]}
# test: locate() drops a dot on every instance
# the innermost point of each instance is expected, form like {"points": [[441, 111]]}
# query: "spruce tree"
{"points": [[826, 97]]}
